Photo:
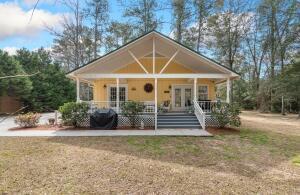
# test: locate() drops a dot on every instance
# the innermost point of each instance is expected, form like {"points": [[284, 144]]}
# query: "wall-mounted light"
{"points": [[170, 87], [104, 86]]}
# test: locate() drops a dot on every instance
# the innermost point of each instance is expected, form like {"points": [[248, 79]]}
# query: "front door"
{"points": [[181, 97]]}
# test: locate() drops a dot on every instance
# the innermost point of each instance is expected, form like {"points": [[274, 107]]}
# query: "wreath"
{"points": [[148, 87]]}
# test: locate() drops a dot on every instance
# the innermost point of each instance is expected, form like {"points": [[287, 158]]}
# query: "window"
{"points": [[203, 92], [113, 95]]}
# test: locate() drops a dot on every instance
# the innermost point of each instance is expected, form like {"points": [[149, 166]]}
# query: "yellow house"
{"points": [[157, 71]]}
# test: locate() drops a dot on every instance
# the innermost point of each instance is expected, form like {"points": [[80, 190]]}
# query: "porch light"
{"points": [[104, 86], [170, 87]]}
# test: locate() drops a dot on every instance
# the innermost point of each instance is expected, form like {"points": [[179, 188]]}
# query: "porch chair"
{"points": [[165, 106]]}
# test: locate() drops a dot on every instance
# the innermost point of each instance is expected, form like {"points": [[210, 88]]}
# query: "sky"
{"points": [[18, 31]]}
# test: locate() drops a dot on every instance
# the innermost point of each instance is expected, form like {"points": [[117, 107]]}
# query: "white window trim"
{"points": [[198, 90], [115, 85]]}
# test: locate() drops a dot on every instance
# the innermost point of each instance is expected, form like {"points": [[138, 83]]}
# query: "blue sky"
{"points": [[16, 31]]}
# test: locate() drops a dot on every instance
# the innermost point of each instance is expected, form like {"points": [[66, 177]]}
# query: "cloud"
{"points": [[33, 2], [13, 50], [10, 50], [14, 21]]}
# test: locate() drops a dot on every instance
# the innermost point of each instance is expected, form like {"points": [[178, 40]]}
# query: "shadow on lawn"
{"points": [[245, 153]]}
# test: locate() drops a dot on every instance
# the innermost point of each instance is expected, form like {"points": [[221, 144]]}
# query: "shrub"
{"points": [[131, 109], [72, 113], [27, 120], [227, 114]]}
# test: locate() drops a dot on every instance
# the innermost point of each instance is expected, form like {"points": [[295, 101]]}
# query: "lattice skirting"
{"points": [[211, 121], [147, 119]]}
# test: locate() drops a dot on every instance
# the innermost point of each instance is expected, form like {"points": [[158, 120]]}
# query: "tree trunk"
{"points": [[282, 106]]}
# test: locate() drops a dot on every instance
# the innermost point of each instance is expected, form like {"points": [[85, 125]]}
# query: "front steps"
{"points": [[177, 121]]}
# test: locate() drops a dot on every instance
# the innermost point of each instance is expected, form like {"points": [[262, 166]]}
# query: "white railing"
{"points": [[199, 114], [149, 106], [207, 106]]}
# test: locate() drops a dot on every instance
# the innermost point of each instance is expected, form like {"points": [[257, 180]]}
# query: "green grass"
{"points": [[296, 160], [188, 147], [256, 137], [150, 144]]}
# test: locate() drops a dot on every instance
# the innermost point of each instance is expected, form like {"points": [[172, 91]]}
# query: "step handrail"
{"points": [[199, 114]]}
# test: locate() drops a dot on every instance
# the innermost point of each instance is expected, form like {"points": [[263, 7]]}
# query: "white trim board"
{"points": [[175, 76]]}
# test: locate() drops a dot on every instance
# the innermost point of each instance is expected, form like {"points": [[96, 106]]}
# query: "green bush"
{"points": [[227, 114], [72, 113], [131, 109], [28, 120]]}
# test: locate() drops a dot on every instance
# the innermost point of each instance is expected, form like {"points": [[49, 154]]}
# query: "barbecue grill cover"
{"points": [[104, 119]]}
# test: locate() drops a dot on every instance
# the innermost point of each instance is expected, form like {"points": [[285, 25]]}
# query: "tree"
{"points": [[280, 20], [142, 13], [227, 30], [255, 52], [289, 83], [181, 16], [67, 51], [50, 88], [73, 46], [202, 10], [118, 35], [15, 86], [97, 11]]}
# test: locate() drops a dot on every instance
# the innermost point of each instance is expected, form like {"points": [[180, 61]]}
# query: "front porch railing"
{"points": [[207, 106], [149, 106], [199, 114]]}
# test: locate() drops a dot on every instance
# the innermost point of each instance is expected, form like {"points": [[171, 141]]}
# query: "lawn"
{"points": [[234, 161]]}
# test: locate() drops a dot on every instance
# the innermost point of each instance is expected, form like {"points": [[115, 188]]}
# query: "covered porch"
{"points": [[176, 93]]}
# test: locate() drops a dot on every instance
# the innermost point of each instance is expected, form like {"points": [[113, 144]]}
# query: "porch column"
{"points": [[155, 101], [77, 90], [195, 89], [118, 95], [228, 90]]}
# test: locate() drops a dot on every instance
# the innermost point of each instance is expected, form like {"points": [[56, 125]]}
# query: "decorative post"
{"points": [[118, 95], [228, 90], [77, 90], [155, 101], [153, 57], [195, 89]]}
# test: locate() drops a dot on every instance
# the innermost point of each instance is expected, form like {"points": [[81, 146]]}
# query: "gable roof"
{"points": [[160, 35]]}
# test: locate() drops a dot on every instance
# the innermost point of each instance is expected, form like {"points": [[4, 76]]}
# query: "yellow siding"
{"points": [[136, 86], [100, 92]]}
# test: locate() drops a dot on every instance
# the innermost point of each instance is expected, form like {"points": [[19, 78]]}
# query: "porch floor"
{"points": [[160, 132]]}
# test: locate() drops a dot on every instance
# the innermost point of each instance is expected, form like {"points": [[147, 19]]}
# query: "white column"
{"points": [[228, 90], [155, 101], [153, 57], [77, 90], [195, 89], [118, 95]]}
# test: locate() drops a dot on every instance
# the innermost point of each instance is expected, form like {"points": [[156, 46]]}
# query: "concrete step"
{"points": [[178, 123], [184, 126], [176, 119]]}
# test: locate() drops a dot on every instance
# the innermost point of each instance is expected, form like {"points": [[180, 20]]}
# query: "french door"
{"points": [[112, 95], [181, 97]]}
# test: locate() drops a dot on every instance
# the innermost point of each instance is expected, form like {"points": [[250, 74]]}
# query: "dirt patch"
{"points": [[222, 131], [288, 124]]}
